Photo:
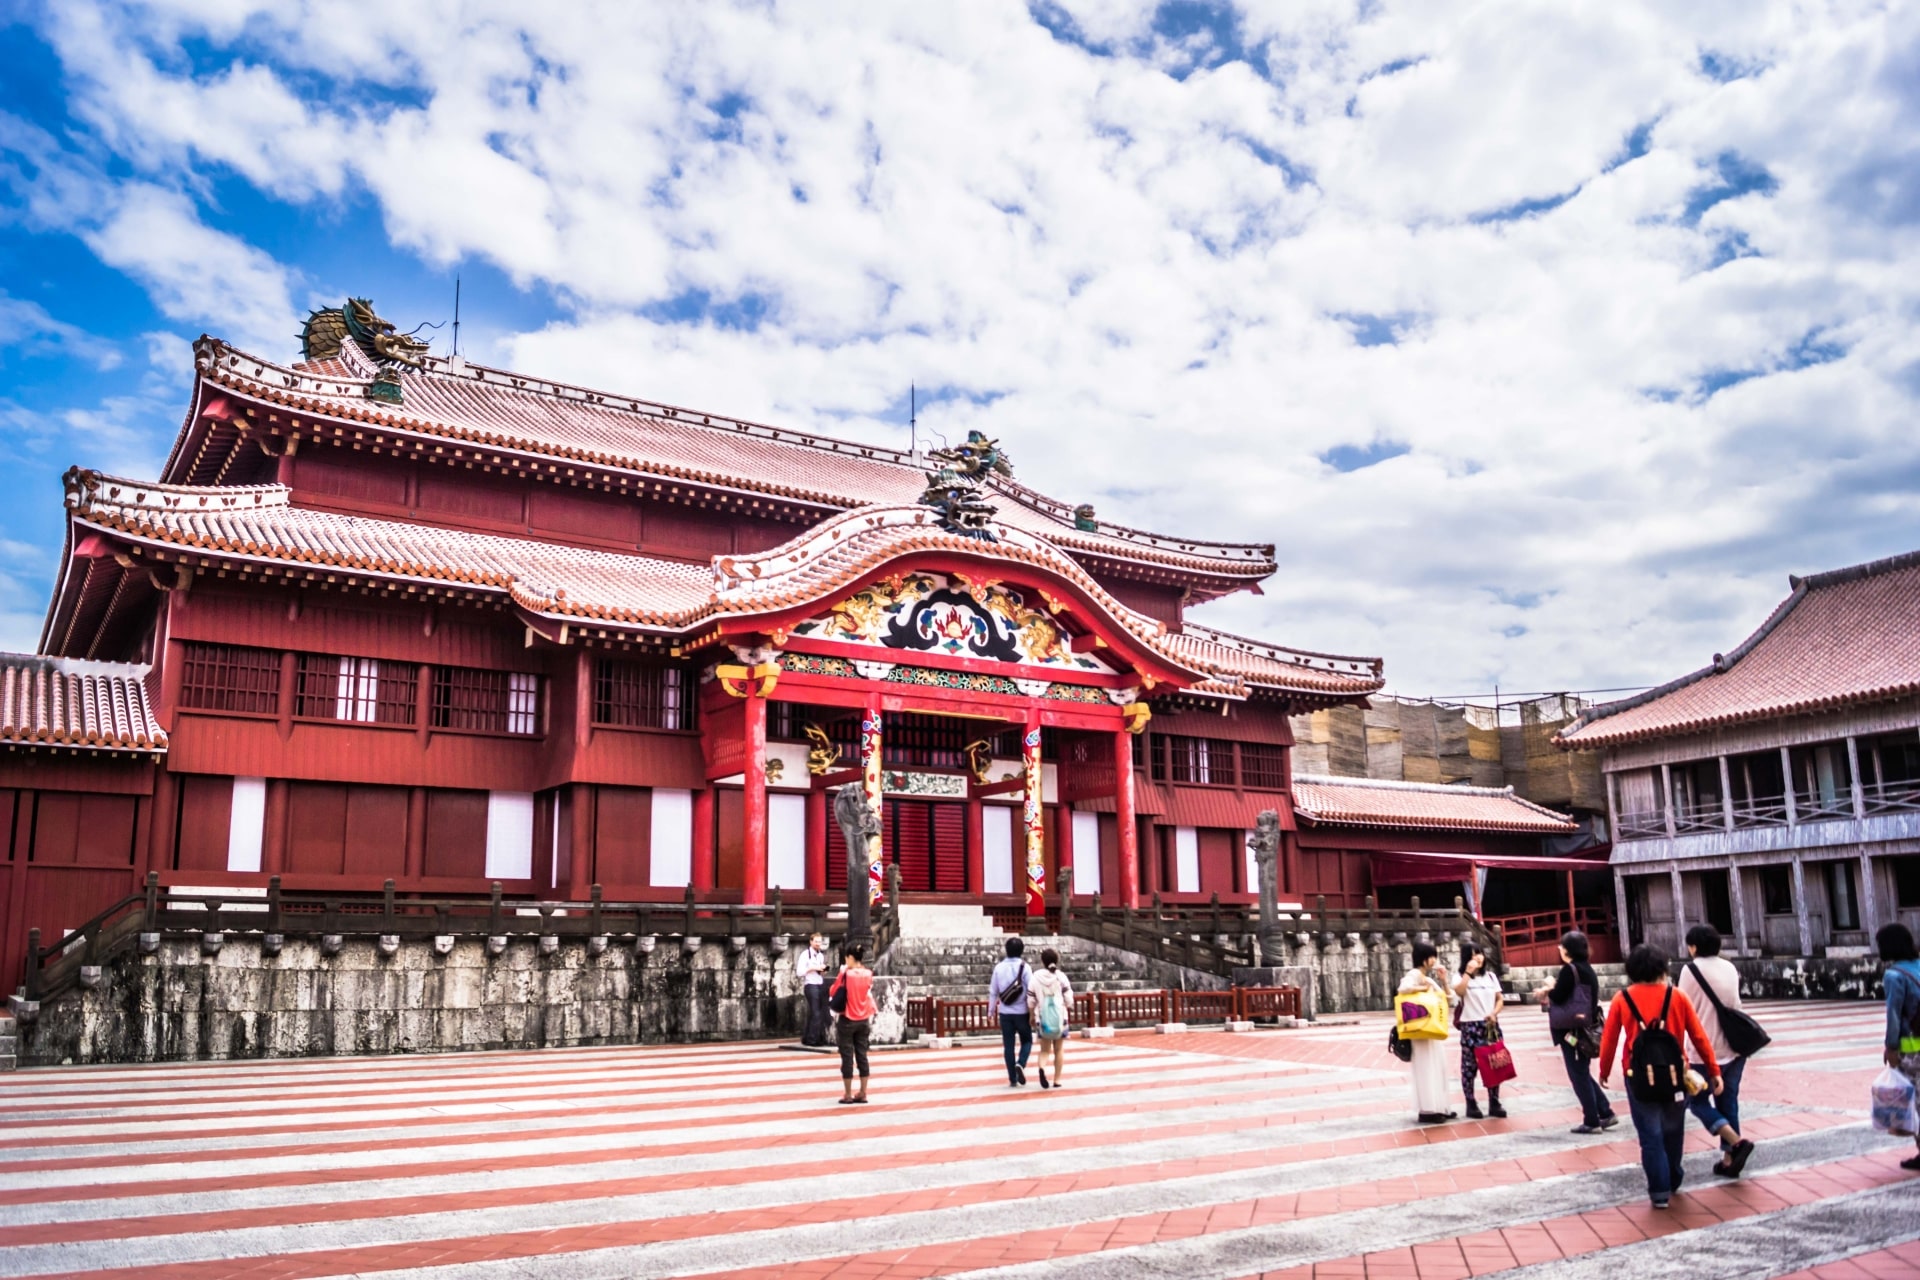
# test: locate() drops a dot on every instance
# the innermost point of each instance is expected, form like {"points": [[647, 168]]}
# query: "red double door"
{"points": [[926, 839]]}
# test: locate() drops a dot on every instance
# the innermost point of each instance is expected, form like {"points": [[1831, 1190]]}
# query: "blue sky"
{"points": [[1544, 340]]}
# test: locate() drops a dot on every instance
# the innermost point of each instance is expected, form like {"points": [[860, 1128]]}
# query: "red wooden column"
{"points": [[976, 847], [1063, 846], [753, 857], [580, 858], [273, 839], [1032, 814], [166, 801], [701, 873], [817, 839], [872, 780], [1125, 823]]}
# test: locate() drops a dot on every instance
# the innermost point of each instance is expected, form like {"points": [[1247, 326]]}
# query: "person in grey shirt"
{"points": [[1007, 996]]}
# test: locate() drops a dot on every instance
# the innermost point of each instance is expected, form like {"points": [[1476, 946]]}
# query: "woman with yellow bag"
{"points": [[1422, 1019]]}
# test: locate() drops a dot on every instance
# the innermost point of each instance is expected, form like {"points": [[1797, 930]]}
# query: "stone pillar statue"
{"points": [[1265, 843], [859, 824]]}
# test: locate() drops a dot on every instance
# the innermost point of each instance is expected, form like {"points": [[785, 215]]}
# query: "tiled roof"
{"points": [[513, 412], [67, 702], [258, 522], [1236, 660], [1848, 636], [1367, 802]]}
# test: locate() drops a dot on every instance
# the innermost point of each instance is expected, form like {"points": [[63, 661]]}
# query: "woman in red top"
{"points": [[1662, 1125], [854, 1026]]}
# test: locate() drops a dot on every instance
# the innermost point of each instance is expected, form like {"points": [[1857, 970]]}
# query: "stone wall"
{"points": [[179, 1004]]}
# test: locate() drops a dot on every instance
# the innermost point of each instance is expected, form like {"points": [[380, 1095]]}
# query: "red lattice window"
{"points": [[224, 677], [1200, 761], [473, 701], [633, 695], [1262, 764], [367, 690]]}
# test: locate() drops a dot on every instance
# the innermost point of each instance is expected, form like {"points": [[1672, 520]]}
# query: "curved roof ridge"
{"points": [[226, 363], [1281, 652]]}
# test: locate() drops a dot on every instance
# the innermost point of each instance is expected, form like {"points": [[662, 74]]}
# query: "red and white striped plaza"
{"points": [[1284, 1153]]}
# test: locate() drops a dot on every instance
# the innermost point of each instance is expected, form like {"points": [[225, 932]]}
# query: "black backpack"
{"points": [[1656, 1071]]}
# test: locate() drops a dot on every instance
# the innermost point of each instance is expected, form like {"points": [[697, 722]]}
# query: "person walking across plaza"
{"points": [[1712, 984], [811, 966], [1007, 995], [1481, 1000], [1429, 1056], [853, 1031], [1573, 1018], [1901, 981], [1052, 1001], [1648, 1023]]}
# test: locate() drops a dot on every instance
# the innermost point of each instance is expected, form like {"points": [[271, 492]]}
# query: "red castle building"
{"points": [[386, 616]]}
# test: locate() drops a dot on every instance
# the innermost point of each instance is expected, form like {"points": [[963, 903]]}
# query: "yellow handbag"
{"points": [[1421, 1015]]}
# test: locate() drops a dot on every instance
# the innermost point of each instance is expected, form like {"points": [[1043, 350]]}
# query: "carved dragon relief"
{"points": [[327, 332], [955, 489]]}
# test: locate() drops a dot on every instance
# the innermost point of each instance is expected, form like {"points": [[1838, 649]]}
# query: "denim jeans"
{"points": [[1662, 1127], [1724, 1110], [1594, 1106], [1016, 1026], [816, 1029]]}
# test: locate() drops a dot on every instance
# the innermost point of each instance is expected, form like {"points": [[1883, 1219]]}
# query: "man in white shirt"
{"points": [[812, 970], [1007, 996], [1720, 1115]]}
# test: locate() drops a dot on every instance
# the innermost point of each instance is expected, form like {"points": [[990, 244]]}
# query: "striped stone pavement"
{"points": [[1203, 1154]]}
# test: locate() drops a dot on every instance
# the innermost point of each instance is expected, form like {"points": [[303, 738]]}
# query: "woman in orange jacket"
{"points": [[1659, 1106]]}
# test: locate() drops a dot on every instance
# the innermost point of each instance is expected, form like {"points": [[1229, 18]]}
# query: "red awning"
{"points": [[1427, 868]]}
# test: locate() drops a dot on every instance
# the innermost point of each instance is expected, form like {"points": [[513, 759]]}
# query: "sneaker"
{"points": [[1588, 1128], [1660, 1202], [1609, 1121], [1043, 1079], [1738, 1157], [1019, 1075]]}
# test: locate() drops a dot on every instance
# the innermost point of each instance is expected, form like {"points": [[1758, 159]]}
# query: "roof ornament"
{"points": [[955, 489], [327, 332], [1084, 519]]}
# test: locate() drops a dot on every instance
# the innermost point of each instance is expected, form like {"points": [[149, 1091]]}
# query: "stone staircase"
{"points": [[950, 952], [1523, 981]]}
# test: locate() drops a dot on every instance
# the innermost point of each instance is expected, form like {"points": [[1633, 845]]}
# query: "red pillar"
{"points": [[273, 838], [166, 800], [1063, 848], [976, 847], [1033, 820], [702, 859], [1125, 823], [753, 858], [580, 861], [817, 840]]}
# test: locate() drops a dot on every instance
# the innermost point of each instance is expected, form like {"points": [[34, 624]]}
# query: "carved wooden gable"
{"points": [[955, 615]]}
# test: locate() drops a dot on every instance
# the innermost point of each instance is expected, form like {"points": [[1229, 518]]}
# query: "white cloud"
{"points": [[26, 325], [1161, 265]]}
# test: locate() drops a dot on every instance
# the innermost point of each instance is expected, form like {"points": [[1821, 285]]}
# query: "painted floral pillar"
{"points": [[1032, 815], [871, 743]]}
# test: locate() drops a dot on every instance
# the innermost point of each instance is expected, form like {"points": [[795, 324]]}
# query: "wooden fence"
{"points": [[945, 1018]]}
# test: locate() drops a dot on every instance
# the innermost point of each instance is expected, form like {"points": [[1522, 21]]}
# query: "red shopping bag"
{"points": [[1495, 1063]]}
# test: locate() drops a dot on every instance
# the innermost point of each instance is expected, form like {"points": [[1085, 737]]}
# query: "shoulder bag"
{"points": [[1744, 1036]]}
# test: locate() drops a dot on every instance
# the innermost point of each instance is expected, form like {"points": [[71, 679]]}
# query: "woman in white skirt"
{"points": [[1430, 1057]]}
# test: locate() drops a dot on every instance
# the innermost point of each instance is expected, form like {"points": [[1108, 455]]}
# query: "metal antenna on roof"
{"points": [[913, 421], [456, 315]]}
